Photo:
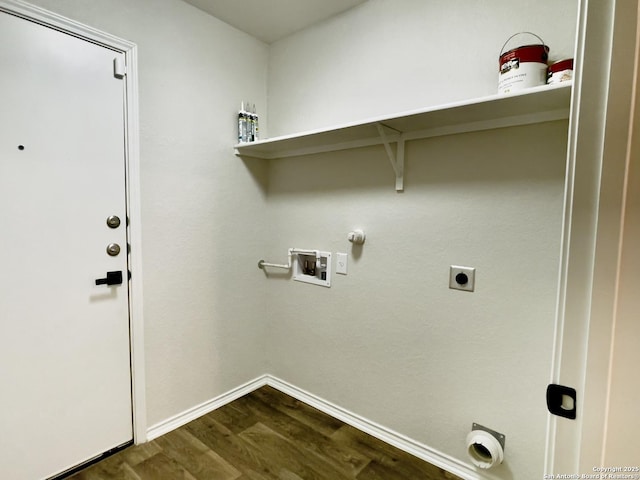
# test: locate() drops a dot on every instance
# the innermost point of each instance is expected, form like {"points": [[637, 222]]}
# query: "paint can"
{"points": [[561, 71], [523, 67]]}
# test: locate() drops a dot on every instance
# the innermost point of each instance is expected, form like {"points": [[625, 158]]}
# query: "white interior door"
{"points": [[64, 341]]}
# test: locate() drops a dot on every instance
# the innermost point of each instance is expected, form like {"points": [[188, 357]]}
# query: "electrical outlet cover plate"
{"points": [[462, 278], [341, 263]]}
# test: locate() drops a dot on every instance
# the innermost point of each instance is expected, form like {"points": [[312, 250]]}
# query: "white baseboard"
{"points": [[387, 435], [185, 417]]}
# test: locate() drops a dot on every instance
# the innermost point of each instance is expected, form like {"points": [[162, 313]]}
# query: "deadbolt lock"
{"points": [[113, 221], [113, 249]]}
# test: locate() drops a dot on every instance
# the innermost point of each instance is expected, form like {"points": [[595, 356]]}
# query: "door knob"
{"points": [[113, 249], [112, 278]]}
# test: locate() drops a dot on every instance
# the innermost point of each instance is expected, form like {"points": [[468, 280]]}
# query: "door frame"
{"points": [[592, 229], [57, 22]]}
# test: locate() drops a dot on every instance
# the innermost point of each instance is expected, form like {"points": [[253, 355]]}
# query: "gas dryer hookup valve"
{"points": [[356, 237]]}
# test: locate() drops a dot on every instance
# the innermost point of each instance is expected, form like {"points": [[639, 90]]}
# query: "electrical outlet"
{"points": [[462, 278]]}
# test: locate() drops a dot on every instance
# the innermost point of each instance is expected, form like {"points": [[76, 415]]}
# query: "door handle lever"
{"points": [[112, 278]]}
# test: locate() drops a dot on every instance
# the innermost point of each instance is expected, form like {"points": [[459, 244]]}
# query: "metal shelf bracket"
{"points": [[396, 158]]}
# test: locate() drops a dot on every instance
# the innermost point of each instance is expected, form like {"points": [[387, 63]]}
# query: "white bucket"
{"points": [[523, 67]]}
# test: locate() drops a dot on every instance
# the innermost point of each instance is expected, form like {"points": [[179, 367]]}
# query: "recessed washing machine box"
{"points": [[313, 269]]}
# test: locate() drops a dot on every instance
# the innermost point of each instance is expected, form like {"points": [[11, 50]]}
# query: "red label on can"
{"points": [[527, 53], [561, 65]]}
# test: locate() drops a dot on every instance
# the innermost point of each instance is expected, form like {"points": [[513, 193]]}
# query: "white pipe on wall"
{"points": [[290, 253]]}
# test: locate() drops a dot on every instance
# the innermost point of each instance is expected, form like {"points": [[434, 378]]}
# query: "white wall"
{"points": [[201, 206], [390, 341], [386, 56], [621, 448], [623, 415]]}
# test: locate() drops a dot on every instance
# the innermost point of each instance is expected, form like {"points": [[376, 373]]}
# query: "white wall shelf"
{"points": [[534, 105]]}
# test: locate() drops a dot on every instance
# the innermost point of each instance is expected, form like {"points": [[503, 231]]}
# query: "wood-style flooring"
{"points": [[264, 435]]}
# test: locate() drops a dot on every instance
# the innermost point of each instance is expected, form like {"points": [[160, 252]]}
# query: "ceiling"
{"points": [[270, 20]]}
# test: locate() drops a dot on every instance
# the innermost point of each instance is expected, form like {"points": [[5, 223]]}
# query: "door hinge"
{"points": [[561, 401], [119, 67]]}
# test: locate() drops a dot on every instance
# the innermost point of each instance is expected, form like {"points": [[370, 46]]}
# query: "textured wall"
{"points": [[387, 56], [390, 341]]}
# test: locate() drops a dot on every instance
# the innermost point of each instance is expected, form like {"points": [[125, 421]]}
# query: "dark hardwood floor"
{"points": [[264, 435]]}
